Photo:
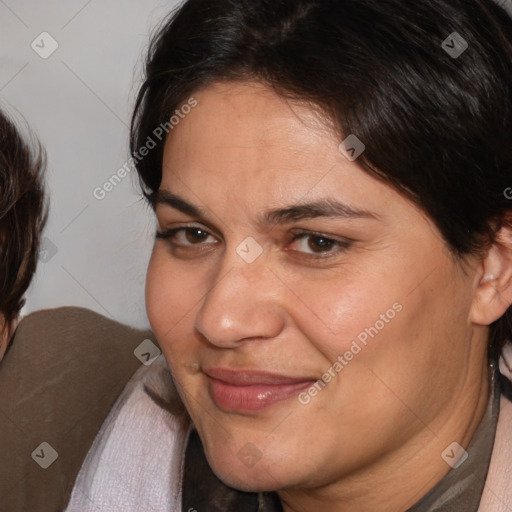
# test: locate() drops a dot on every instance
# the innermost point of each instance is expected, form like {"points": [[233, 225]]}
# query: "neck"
{"points": [[400, 479]]}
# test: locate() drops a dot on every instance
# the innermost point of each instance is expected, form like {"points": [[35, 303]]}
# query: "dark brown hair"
{"points": [[23, 214], [437, 127]]}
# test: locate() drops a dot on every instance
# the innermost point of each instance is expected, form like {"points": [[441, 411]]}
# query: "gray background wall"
{"points": [[78, 101]]}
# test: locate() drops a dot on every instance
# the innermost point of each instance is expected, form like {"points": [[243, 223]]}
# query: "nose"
{"points": [[242, 305]]}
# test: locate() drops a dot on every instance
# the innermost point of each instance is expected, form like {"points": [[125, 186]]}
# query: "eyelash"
{"points": [[341, 245]]}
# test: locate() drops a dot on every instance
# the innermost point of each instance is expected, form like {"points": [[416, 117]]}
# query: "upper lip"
{"points": [[252, 377]]}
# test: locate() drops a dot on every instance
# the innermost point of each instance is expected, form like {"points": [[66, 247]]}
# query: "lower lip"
{"points": [[252, 398]]}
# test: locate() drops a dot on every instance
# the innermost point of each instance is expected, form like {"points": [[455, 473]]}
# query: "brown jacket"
{"points": [[58, 381]]}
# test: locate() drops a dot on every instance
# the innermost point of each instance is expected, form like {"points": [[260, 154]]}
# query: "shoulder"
{"points": [[64, 371], [136, 461]]}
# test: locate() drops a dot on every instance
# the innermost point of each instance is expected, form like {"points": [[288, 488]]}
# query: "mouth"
{"points": [[252, 391]]}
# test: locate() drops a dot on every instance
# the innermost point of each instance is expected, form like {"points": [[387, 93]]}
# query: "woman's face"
{"points": [[282, 264]]}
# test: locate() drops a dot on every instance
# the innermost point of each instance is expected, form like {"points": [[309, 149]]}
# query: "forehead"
{"points": [[245, 146], [247, 124]]}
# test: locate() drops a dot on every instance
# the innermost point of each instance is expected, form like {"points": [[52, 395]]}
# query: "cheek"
{"points": [[173, 298], [386, 328], [169, 294], [333, 312], [156, 293], [171, 304]]}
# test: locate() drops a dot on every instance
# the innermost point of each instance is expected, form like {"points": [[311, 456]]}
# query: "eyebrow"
{"points": [[174, 201], [324, 208], [302, 211]]}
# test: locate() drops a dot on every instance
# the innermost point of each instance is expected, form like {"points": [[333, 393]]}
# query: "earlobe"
{"points": [[493, 294]]}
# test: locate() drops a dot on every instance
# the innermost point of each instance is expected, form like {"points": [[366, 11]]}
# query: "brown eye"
{"points": [[320, 243], [317, 244], [195, 235], [187, 236]]}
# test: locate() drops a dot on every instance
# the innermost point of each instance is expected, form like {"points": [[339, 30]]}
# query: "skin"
{"points": [[415, 388], [6, 331]]}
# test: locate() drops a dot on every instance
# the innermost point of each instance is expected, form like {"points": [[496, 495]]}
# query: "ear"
{"points": [[493, 294]]}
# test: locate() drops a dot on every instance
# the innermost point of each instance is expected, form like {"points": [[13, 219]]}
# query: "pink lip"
{"points": [[250, 391]]}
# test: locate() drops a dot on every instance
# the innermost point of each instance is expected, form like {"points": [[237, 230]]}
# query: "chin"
{"points": [[250, 480], [250, 475]]}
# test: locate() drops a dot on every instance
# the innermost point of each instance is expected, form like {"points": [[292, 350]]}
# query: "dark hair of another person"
{"points": [[23, 215], [437, 128]]}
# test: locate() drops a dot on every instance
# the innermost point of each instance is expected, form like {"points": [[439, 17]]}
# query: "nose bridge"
{"points": [[241, 304]]}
